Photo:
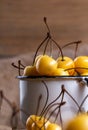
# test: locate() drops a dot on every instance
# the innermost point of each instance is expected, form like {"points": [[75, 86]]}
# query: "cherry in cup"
{"points": [[45, 64]]}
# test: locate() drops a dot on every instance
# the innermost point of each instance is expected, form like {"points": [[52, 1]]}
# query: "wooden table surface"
{"points": [[22, 27]]}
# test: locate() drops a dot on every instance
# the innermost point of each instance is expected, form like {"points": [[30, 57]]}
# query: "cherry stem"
{"points": [[51, 48], [63, 88], [80, 108], [46, 97], [76, 51], [52, 103], [19, 67], [38, 104], [48, 39], [49, 34], [58, 105], [21, 63], [75, 42], [3, 97], [59, 48], [45, 21], [14, 115], [14, 108], [76, 69], [39, 48]]}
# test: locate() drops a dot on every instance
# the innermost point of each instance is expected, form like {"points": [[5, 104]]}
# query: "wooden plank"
{"points": [[22, 26]]}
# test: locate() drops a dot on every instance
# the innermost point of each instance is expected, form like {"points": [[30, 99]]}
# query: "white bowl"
{"points": [[32, 87]]}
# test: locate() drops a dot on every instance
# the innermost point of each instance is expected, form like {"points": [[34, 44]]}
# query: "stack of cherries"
{"points": [[79, 122], [46, 65]]}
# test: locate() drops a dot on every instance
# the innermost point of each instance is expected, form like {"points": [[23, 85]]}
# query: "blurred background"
{"points": [[22, 27]]}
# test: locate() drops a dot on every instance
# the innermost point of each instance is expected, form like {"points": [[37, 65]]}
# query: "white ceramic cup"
{"points": [[31, 88]]}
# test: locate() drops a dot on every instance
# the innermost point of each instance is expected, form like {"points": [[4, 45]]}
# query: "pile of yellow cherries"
{"points": [[79, 122], [46, 65]]}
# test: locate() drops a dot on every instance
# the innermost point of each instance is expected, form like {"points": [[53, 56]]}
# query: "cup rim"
{"points": [[51, 77]]}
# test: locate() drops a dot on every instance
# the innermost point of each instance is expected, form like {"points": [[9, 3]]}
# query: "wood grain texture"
{"points": [[22, 27]]}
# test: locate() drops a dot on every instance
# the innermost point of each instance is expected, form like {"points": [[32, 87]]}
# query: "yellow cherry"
{"points": [[40, 124], [66, 63], [81, 64], [79, 122], [30, 71], [31, 119], [46, 65], [60, 72], [36, 59], [84, 74], [75, 74], [36, 122], [53, 126]]}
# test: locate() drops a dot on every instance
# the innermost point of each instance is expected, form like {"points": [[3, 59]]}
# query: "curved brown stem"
{"points": [[74, 42], [70, 96], [46, 97], [19, 67], [46, 46], [39, 48], [47, 107], [38, 104], [45, 21], [80, 108], [59, 48]]}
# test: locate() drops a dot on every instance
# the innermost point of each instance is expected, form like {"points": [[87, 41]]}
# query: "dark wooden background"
{"points": [[22, 27]]}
